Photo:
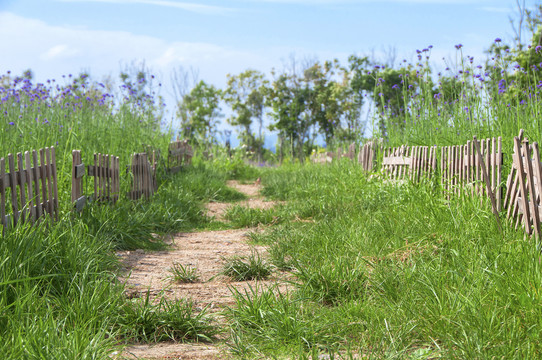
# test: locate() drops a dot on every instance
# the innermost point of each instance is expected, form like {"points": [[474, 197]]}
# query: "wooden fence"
{"points": [[367, 156], [523, 195], [463, 168], [106, 173], [32, 186], [154, 157], [413, 162], [179, 153], [28, 189], [143, 180], [322, 158]]}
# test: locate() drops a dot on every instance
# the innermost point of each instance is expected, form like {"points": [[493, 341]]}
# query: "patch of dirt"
{"points": [[205, 251], [168, 350], [255, 201]]}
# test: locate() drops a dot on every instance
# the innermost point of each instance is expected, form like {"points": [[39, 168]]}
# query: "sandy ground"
{"points": [[206, 251], [255, 200]]}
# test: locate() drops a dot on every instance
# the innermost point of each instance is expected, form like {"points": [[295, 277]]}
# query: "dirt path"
{"points": [[206, 251], [255, 200]]}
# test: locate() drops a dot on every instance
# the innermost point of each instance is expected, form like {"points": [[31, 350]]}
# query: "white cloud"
{"points": [[58, 51], [197, 8], [52, 51]]}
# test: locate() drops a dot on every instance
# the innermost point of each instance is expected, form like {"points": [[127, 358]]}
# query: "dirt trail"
{"points": [[206, 252], [255, 200]]}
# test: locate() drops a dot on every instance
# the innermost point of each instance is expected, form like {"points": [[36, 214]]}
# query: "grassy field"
{"points": [[379, 270], [60, 297], [390, 271], [59, 293]]}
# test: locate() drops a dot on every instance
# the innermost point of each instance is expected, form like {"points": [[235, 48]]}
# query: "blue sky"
{"points": [[56, 37]]}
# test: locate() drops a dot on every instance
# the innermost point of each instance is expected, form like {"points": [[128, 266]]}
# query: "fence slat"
{"points": [[37, 179], [49, 182], [13, 178], [22, 186], [30, 184], [55, 185], [523, 190], [532, 191]]}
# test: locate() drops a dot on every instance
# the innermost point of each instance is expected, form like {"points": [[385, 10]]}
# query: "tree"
{"points": [[287, 100], [331, 101], [199, 112], [246, 96]]}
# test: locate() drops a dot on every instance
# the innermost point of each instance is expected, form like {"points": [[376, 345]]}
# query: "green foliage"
{"points": [[142, 320], [235, 168], [199, 112], [246, 96], [184, 274], [277, 323], [384, 270], [240, 216], [252, 267]]}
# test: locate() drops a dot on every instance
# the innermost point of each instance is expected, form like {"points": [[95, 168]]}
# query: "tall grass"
{"points": [[59, 293], [391, 271], [448, 107]]}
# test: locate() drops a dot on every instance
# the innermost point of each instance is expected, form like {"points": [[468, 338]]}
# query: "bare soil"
{"points": [[255, 200], [206, 251]]}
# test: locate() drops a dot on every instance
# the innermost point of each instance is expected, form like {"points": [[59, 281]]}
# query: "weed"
{"points": [[143, 320], [241, 268], [240, 216], [184, 274]]}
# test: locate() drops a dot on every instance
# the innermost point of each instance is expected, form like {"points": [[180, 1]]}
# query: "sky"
{"points": [[101, 37]]}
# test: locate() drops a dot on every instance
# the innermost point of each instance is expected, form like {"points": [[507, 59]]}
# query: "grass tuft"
{"points": [[142, 320], [243, 268], [184, 274]]}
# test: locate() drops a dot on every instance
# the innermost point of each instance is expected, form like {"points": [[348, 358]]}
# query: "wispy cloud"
{"points": [[52, 50], [186, 6]]}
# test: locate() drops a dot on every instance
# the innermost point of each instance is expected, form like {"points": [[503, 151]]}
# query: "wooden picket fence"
{"points": [[473, 168], [154, 157], [351, 153], [322, 158], [143, 180], [524, 187], [32, 186], [28, 189], [409, 162], [180, 153], [367, 156], [106, 174]]}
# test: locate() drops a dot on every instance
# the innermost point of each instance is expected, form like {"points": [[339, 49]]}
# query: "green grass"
{"points": [[391, 272], [142, 320], [241, 216], [243, 268], [59, 297], [184, 274]]}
